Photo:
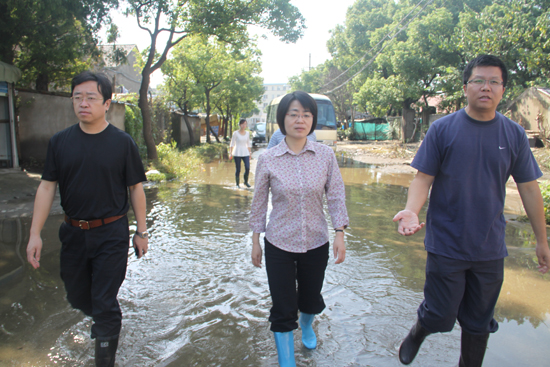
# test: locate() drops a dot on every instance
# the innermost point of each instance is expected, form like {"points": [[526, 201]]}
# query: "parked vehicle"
{"points": [[258, 133], [326, 131]]}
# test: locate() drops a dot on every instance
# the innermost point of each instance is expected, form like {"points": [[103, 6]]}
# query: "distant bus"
{"points": [[326, 130]]}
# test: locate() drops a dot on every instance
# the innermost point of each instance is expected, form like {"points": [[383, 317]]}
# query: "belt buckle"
{"points": [[83, 222]]}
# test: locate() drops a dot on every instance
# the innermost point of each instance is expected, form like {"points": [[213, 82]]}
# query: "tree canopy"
{"points": [[213, 75], [394, 54], [226, 20], [50, 40]]}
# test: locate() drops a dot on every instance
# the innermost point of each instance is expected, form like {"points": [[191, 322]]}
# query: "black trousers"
{"points": [[463, 290], [93, 267], [284, 269], [246, 161]]}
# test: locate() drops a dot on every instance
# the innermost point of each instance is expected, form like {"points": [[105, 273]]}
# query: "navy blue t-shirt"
{"points": [[93, 171], [471, 161]]}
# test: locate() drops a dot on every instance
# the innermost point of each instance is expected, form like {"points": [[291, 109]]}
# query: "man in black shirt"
{"points": [[95, 164]]}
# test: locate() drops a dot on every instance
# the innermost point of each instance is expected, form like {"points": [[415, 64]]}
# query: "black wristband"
{"points": [[338, 230]]}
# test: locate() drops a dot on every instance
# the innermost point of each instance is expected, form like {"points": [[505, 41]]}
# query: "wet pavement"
{"points": [[17, 192], [196, 299]]}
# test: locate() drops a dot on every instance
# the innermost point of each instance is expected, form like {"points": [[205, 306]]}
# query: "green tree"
{"points": [[399, 53], [50, 40], [322, 78], [214, 75], [515, 31], [235, 96], [181, 89], [226, 20], [412, 65], [208, 63]]}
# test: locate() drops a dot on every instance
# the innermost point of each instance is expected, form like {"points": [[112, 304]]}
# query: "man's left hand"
{"points": [[543, 254], [141, 245]]}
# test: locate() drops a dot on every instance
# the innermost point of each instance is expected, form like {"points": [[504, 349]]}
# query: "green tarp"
{"points": [[371, 130], [9, 73]]}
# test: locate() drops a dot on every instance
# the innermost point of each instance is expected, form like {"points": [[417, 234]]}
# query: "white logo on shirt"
{"points": [[499, 147]]}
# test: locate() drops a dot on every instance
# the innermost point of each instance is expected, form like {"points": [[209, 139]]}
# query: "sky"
{"points": [[279, 60]]}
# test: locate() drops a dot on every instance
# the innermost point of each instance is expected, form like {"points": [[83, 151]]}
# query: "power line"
{"points": [[372, 48], [380, 51]]}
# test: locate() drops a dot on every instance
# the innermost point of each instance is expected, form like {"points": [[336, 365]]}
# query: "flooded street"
{"points": [[196, 300]]}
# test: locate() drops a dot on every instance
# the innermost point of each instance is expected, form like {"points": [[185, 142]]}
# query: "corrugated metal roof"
{"points": [[9, 73]]}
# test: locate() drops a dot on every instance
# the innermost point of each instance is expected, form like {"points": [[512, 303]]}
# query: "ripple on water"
{"points": [[196, 299]]}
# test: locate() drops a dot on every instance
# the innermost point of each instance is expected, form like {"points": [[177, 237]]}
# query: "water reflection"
{"points": [[196, 300]]}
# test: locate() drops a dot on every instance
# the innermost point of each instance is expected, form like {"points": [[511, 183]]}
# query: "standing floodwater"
{"points": [[196, 299]]}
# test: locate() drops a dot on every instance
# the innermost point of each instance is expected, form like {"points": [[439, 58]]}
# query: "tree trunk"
{"points": [[190, 130], [207, 118], [146, 114], [426, 112], [42, 82], [208, 127], [408, 125], [225, 126]]}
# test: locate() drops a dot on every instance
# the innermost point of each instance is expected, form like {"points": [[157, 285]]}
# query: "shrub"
{"points": [[209, 152], [545, 191], [174, 163], [157, 177], [133, 124]]}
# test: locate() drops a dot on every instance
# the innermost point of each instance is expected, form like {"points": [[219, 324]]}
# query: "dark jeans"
{"points": [[246, 161], [93, 267], [463, 290], [283, 270]]}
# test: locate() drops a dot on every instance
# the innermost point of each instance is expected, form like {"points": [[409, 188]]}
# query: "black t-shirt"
{"points": [[93, 171]]}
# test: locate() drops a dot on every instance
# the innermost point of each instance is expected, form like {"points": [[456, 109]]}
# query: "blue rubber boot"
{"points": [[285, 348], [308, 335]]}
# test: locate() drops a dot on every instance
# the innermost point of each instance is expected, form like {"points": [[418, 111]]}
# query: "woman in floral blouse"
{"points": [[298, 172]]}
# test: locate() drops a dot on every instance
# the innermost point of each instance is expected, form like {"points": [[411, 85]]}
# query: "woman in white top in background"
{"points": [[240, 149]]}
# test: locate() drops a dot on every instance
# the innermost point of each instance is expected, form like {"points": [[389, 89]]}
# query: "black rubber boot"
{"points": [[472, 349], [105, 351], [411, 344], [246, 180], [237, 180]]}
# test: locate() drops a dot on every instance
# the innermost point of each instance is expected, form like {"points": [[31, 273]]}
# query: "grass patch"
{"points": [[210, 152], [176, 164]]}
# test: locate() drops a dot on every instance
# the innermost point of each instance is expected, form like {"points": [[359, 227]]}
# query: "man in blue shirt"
{"points": [[466, 159]]}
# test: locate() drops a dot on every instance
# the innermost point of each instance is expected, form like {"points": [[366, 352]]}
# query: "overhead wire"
{"points": [[374, 47], [379, 51]]}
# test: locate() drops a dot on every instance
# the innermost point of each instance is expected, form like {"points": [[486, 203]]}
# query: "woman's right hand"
{"points": [[256, 251]]}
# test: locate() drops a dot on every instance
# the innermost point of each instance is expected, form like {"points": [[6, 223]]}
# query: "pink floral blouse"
{"points": [[298, 181]]}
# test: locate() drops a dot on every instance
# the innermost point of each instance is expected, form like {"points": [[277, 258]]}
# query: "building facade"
{"points": [[123, 74], [531, 109], [271, 91]]}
